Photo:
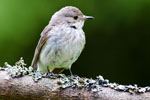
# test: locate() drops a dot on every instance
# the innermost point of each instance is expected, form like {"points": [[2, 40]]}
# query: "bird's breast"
{"points": [[64, 44]]}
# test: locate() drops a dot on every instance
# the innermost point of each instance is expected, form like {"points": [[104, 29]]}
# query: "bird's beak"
{"points": [[87, 17]]}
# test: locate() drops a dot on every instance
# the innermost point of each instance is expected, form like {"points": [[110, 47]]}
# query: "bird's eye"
{"points": [[75, 17]]}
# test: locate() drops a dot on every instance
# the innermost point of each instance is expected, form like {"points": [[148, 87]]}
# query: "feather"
{"points": [[42, 41]]}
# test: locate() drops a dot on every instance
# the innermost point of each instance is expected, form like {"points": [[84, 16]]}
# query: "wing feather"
{"points": [[44, 37]]}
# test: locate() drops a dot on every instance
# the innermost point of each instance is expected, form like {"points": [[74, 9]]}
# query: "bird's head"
{"points": [[69, 15]]}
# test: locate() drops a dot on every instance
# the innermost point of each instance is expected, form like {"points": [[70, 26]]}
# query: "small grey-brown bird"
{"points": [[61, 42]]}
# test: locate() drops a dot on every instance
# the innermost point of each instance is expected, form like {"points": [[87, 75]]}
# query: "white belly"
{"points": [[63, 48]]}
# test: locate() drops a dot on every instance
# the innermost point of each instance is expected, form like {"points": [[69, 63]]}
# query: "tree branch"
{"points": [[25, 88], [21, 83]]}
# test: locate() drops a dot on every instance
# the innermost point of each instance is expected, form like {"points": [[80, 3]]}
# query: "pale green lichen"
{"points": [[20, 69], [2, 68], [78, 82]]}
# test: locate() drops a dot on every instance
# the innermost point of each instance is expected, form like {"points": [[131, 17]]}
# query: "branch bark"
{"points": [[24, 88]]}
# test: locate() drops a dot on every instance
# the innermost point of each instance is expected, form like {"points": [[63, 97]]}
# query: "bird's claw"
{"points": [[48, 73]]}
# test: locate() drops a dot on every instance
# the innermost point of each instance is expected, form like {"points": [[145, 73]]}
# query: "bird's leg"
{"points": [[70, 71], [48, 72], [71, 77]]}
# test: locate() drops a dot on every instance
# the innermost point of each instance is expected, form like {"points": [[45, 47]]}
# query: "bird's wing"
{"points": [[43, 39]]}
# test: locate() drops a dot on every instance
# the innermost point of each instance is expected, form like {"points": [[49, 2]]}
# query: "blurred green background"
{"points": [[118, 39]]}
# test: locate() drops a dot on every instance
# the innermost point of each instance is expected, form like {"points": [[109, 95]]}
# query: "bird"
{"points": [[61, 41]]}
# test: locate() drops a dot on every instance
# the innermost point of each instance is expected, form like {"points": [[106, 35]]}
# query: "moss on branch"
{"points": [[19, 82]]}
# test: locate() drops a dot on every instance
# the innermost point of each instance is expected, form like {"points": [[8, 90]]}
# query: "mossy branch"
{"points": [[24, 86]]}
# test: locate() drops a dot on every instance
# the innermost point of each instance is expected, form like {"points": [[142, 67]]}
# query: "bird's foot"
{"points": [[48, 73]]}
